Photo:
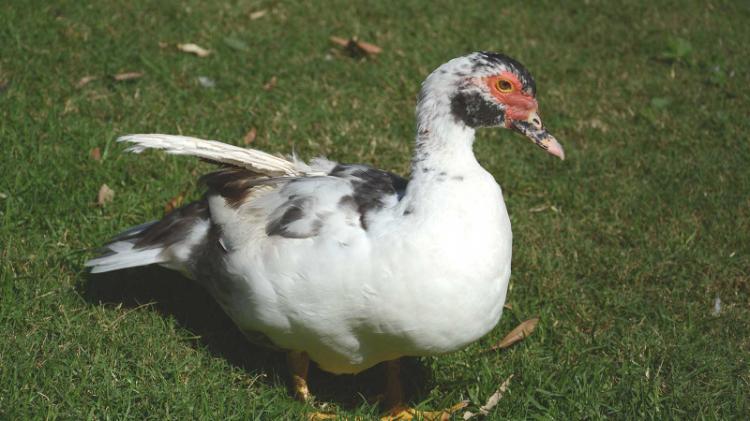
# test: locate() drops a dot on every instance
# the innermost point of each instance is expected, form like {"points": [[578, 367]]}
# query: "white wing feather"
{"points": [[253, 159]]}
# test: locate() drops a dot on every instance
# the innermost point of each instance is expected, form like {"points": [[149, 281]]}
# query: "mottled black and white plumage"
{"points": [[351, 264]]}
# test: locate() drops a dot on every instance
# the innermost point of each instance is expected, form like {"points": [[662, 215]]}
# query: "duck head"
{"points": [[486, 89]]}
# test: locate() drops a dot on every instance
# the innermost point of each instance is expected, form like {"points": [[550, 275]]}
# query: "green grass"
{"points": [[641, 228]]}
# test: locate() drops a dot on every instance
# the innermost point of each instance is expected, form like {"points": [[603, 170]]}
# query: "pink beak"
{"points": [[533, 129]]}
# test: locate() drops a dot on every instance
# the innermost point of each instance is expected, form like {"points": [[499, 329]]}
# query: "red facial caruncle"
{"points": [[507, 89]]}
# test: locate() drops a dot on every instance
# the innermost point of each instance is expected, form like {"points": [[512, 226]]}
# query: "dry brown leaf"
{"points": [[105, 195], [518, 334], [250, 136], [85, 81], [96, 154], [492, 401], [508, 306], [257, 15], [193, 49], [174, 203], [270, 84], [356, 47], [368, 47], [121, 77], [445, 414], [321, 416], [340, 41]]}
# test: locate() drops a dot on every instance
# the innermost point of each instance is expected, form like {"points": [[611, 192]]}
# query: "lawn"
{"points": [[623, 250]]}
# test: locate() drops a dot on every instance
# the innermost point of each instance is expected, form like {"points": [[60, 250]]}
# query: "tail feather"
{"points": [[168, 242], [133, 232], [171, 240], [123, 255], [253, 159]]}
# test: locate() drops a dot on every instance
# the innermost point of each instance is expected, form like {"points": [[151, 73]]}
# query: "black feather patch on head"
{"points": [[475, 111], [495, 59]]}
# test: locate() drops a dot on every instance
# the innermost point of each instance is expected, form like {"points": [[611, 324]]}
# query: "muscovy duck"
{"points": [[348, 265]]}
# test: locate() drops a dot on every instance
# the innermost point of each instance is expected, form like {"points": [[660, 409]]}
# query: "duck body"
{"points": [[348, 264], [423, 278]]}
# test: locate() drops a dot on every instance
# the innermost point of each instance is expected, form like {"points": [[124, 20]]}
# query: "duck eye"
{"points": [[504, 86]]}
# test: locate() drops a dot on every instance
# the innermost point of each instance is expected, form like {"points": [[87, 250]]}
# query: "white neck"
{"points": [[443, 146], [446, 179], [443, 165], [443, 159]]}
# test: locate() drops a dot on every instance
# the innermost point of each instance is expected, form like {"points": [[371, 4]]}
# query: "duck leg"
{"points": [[298, 363], [394, 399]]}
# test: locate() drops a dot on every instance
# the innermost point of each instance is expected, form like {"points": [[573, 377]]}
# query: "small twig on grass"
{"points": [[492, 401], [122, 316]]}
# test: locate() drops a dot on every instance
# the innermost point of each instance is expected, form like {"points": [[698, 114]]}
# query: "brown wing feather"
{"points": [[235, 184]]}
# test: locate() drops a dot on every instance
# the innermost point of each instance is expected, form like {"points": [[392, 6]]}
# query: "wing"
{"points": [[256, 191], [371, 189], [303, 207]]}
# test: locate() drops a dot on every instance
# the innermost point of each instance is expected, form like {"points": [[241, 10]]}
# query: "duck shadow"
{"points": [[192, 307]]}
